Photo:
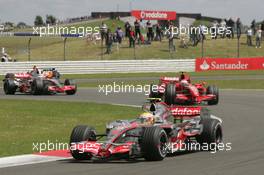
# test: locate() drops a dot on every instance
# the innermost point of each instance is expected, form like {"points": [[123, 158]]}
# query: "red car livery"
{"points": [[180, 90]]}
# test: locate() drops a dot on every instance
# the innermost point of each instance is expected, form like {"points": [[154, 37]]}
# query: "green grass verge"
{"points": [[23, 122]]}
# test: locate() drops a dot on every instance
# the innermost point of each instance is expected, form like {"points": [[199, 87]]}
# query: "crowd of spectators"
{"points": [[156, 32]]}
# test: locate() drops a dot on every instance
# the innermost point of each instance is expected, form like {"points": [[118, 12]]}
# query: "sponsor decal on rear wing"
{"points": [[170, 79]]}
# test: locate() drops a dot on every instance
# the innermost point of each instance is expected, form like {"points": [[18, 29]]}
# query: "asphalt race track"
{"points": [[242, 114]]}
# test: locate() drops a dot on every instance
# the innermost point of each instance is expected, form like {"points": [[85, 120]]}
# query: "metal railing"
{"points": [[94, 67]]}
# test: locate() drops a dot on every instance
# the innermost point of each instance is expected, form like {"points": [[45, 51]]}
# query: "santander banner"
{"points": [[153, 15], [207, 64]]}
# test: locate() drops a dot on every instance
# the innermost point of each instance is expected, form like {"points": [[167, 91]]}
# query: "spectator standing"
{"points": [[202, 32], [119, 35], [262, 29], [258, 37], [223, 26], [127, 29], [214, 30], [238, 26], [109, 41], [158, 32], [150, 34], [103, 30], [253, 26], [249, 37], [137, 28], [132, 38], [194, 36]]}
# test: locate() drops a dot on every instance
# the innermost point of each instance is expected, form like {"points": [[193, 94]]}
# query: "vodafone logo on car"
{"points": [[185, 111], [229, 64]]}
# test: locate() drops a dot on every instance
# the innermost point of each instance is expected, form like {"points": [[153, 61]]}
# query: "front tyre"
{"points": [[212, 133], [81, 133], [9, 87], [213, 90], [154, 144], [37, 87]]}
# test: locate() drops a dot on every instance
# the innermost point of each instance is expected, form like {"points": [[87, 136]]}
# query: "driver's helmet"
{"points": [[49, 74], [184, 83], [147, 118]]}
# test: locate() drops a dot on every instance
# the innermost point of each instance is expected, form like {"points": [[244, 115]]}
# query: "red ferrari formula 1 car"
{"points": [[36, 82], [180, 90], [160, 130]]}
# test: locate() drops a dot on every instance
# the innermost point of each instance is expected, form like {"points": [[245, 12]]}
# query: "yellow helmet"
{"points": [[147, 118]]}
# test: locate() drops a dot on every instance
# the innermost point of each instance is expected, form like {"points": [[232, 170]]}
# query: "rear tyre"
{"points": [[212, 133], [46, 85], [10, 75], [170, 94], [154, 143], [69, 82], [9, 87], [37, 87], [215, 91], [81, 133]]}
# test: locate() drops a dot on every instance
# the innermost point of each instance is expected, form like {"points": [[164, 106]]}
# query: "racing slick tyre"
{"points": [[154, 143], [170, 94], [37, 87], [10, 75], [153, 94], [46, 85], [81, 133], [213, 90], [212, 134], [68, 82], [9, 87]]}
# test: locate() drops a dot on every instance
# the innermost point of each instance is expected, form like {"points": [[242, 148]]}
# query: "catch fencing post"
{"points": [[102, 51], [202, 47], [64, 48], [135, 52], [29, 41], [238, 49]]}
